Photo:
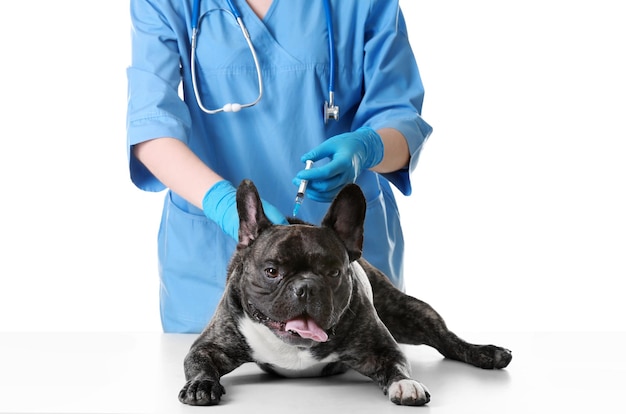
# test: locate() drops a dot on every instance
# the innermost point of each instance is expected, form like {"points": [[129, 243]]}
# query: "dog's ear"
{"points": [[346, 216], [252, 218]]}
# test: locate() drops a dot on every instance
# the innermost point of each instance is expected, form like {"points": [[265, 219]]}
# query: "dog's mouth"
{"points": [[300, 327]]}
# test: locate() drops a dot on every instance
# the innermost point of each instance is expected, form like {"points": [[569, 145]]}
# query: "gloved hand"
{"points": [[349, 154], [220, 205]]}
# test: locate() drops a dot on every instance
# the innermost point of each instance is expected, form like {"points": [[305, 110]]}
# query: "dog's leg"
{"points": [[412, 321], [378, 356], [203, 375], [217, 351]]}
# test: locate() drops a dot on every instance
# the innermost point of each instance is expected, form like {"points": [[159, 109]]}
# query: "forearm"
{"points": [[177, 167], [396, 154]]}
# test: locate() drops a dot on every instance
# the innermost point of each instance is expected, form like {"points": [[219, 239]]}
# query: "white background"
{"points": [[517, 218]]}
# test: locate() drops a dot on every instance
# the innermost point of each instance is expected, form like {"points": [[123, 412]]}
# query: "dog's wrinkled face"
{"points": [[298, 282], [297, 279]]}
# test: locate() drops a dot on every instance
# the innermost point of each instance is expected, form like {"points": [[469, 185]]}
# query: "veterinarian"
{"points": [[333, 81]]}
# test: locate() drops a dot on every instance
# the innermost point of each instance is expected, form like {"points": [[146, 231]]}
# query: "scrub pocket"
{"points": [[193, 258]]}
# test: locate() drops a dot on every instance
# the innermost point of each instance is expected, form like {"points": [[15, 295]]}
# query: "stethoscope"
{"points": [[330, 110]]}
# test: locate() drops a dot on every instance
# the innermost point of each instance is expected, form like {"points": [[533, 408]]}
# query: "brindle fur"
{"points": [[363, 335]]}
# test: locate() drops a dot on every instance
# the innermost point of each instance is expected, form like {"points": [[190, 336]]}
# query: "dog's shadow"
{"points": [[445, 377], [446, 380], [261, 377], [250, 385]]}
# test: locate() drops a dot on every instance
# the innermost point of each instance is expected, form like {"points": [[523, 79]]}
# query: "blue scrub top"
{"points": [[377, 85]]}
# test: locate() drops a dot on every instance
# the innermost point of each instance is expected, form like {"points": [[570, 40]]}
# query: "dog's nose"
{"points": [[302, 289]]}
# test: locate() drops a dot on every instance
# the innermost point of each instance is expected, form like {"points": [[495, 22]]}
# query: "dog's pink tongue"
{"points": [[307, 328]]}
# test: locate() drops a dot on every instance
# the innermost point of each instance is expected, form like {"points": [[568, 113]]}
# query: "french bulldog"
{"points": [[301, 301]]}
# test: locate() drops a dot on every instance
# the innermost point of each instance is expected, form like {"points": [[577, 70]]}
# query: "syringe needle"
{"points": [[301, 190], [296, 207]]}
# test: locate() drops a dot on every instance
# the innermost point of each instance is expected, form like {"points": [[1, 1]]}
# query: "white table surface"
{"points": [[142, 373]]}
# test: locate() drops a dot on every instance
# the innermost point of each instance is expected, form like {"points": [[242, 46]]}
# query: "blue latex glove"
{"points": [[349, 154], [220, 205]]}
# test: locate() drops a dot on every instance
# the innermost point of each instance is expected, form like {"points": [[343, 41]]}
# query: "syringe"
{"points": [[301, 189]]}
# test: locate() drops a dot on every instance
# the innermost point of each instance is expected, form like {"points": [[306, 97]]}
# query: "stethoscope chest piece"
{"points": [[331, 111]]}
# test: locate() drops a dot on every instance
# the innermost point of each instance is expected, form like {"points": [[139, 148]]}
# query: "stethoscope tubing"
{"points": [[195, 12], [195, 23], [330, 110], [331, 46]]}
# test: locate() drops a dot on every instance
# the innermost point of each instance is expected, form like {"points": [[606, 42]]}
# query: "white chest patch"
{"points": [[361, 277], [285, 359]]}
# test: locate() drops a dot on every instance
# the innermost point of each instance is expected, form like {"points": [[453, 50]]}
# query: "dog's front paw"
{"points": [[408, 392], [201, 391]]}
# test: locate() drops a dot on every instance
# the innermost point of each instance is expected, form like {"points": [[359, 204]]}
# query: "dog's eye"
{"points": [[271, 272], [334, 273]]}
